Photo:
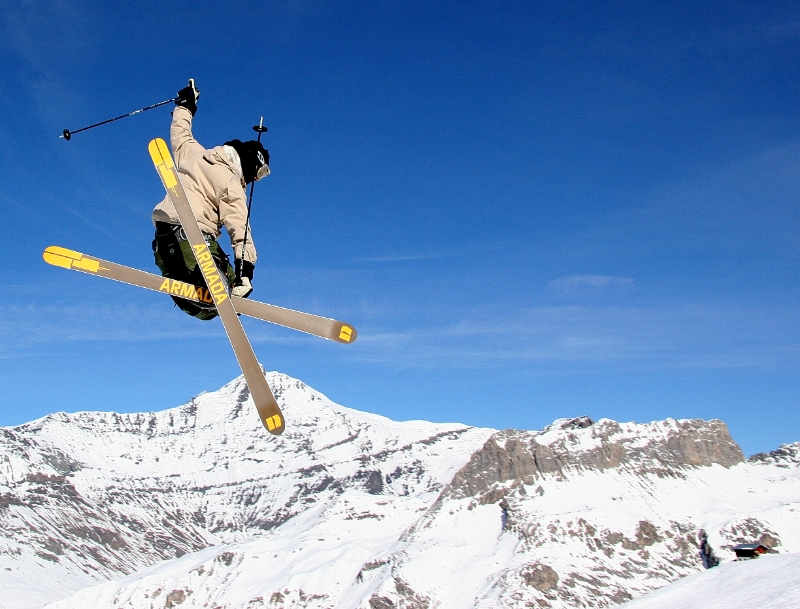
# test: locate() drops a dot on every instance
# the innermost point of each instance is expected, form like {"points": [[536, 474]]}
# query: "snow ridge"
{"points": [[196, 506]]}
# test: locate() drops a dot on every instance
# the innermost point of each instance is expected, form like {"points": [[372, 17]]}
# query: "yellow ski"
{"points": [[268, 409]]}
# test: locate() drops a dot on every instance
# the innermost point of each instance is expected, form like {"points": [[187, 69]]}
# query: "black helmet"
{"points": [[254, 158]]}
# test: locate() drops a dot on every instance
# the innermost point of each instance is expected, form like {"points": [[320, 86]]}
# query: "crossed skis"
{"points": [[296, 320], [228, 306]]}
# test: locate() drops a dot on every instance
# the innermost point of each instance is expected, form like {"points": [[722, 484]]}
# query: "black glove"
{"points": [[244, 268], [242, 286], [188, 96]]}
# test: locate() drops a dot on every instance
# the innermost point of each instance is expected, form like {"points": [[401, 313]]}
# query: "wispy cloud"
{"points": [[582, 338], [703, 39], [95, 225], [24, 330], [743, 37], [414, 256], [408, 257], [577, 282], [45, 34], [30, 34]]}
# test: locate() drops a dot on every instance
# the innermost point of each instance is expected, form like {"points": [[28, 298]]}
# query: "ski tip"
{"points": [[69, 259], [60, 256], [274, 424], [159, 151], [347, 334]]}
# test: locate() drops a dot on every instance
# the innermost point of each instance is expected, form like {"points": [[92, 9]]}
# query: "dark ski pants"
{"points": [[175, 258]]}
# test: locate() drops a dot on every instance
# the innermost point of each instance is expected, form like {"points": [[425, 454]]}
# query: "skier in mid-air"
{"points": [[215, 181], [206, 191]]}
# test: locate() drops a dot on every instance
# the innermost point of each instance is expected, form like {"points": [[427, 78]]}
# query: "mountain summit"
{"points": [[196, 506]]}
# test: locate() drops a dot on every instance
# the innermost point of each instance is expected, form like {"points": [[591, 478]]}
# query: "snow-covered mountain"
{"points": [[197, 506]]}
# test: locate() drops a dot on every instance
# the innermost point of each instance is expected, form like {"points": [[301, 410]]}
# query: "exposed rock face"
{"points": [[788, 455], [664, 448], [749, 530], [540, 576], [381, 602], [174, 598]]}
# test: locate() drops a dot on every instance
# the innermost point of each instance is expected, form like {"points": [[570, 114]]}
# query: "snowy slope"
{"points": [[769, 582], [585, 534], [93, 496], [196, 507]]}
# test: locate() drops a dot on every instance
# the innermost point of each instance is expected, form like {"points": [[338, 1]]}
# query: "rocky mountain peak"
{"points": [[664, 448], [569, 423]]}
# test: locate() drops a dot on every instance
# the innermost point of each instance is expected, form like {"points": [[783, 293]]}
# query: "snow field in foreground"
{"points": [[768, 582]]}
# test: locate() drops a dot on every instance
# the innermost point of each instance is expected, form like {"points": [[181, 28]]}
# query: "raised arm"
{"points": [[180, 134]]}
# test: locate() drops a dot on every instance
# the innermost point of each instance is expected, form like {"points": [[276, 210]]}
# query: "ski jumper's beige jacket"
{"points": [[214, 186]]}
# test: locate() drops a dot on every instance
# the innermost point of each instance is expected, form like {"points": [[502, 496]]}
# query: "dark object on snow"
{"points": [[750, 550], [706, 552]]}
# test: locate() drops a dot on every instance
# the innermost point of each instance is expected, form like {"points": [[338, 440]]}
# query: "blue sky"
{"points": [[528, 210]]}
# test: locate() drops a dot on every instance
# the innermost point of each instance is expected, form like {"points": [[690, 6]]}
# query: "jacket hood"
{"points": [[227, 156]]}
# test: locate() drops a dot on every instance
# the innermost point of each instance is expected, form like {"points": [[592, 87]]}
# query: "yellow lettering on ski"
{"points": [[201, 253], [188, 290], [209, 269]]}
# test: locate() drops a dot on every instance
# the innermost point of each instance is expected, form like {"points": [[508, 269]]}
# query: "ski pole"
{"points": [[68, 134], [260, 128]]}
